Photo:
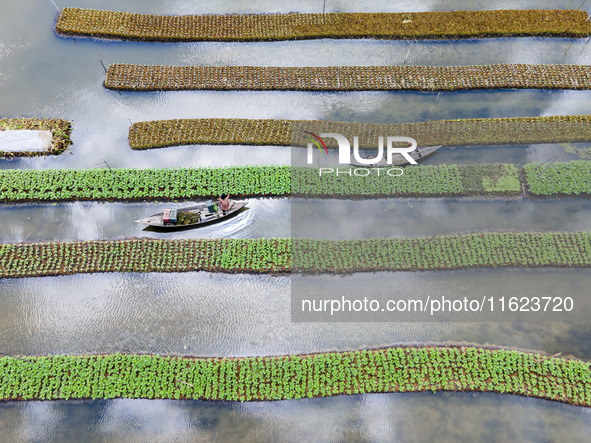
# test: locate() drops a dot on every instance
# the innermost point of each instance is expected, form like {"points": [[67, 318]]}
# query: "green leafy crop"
{"points": [[399, 369], [558, 179], [280, 256]]}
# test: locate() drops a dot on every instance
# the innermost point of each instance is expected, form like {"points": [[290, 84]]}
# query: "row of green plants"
{"points": [[568, 179], [423, 181], [60, 132], [255, 256], [127, 77], [397, 369], [141, 184], [248, 27], [559, 179], [540, 180], [446, 252], [280, 256], [460, 132]]}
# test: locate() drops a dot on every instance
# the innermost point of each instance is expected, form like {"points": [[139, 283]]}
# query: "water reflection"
{"points": [[237, 315], [71, 84], [280, 218], [265, 218], [376, 417], [346, 219]]}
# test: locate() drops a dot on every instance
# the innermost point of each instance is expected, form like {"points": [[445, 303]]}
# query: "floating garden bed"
{"points": [[125, 77], [274, 256], [289, 377], [266, 256], [422, 181], [60, 132], [558, 179], [252, 27], [461, 132], [209, 131], [141, 184], [446, 252]]}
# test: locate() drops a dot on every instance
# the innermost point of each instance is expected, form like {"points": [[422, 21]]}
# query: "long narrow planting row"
{"points": [[289, 377], [125, 77], [423, 181], [447, 252], [60, 131], [279, 181], [244, 27], [140, 184], [263, 256], [461, 132], [276, 256], [558, 179]]}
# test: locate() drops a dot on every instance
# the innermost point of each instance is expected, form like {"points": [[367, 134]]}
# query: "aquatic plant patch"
{"points": [[290, 377], [252, 27], [559, 179], [423, 181], [250, 181], [210, 131], [583, 152], [60, 132], [267, 256], [141, 184], [446, 252], [125, 77], [461, 132], [274, 256]]}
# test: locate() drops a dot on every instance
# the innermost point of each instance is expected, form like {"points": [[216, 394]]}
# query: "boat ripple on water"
{"points": [[199, 214]]}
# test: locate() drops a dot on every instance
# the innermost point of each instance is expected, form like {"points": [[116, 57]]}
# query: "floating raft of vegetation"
{"points": [[60, 132], [446, 252], [557, 179], [422, 181], [263, 256], [274, 256], [289, 377], [125, 77], [461, 132], [293, 26], [141, 184]]}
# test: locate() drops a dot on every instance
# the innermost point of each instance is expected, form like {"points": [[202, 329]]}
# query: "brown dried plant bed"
{"points": [[60, 131], [293, 26], [292, 377], [309, 256], [126, 77], [461, 132]]}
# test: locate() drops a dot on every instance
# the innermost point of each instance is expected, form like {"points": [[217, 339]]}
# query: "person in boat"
{"points": [[224, 202]]}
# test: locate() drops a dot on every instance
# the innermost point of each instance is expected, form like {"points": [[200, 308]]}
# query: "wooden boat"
{"points": [[418, 155], [206, 216]]}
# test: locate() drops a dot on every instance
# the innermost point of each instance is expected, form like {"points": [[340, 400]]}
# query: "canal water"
{"points": [[42, 75]]}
